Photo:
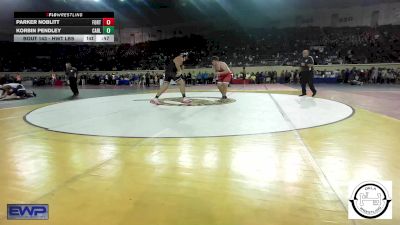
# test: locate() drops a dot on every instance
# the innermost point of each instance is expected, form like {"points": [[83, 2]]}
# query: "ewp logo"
{"points": [[27, 211]]}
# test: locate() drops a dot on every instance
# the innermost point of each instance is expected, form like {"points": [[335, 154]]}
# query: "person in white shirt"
{"points": [[14, 91]]}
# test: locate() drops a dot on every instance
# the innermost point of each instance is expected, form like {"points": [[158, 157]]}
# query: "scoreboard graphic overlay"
{"points": [[64, 26]]}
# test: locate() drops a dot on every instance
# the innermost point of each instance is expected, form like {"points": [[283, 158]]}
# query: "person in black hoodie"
{"points": [[72, 74]]}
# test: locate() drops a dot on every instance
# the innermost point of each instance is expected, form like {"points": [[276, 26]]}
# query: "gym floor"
{"points": [[298, 176]]}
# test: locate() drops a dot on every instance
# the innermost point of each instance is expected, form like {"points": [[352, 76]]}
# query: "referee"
{"points": [[72, 74], [307, 73]]}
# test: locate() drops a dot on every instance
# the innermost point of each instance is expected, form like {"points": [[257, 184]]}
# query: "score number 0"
{"points": [[108, 21], [108, 25]]}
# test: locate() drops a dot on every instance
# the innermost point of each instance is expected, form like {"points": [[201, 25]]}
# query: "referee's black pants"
{"points": [[307, 77], [73, 84]]}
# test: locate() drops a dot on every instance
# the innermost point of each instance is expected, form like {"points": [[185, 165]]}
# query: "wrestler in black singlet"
{"points": [[170, 71]]}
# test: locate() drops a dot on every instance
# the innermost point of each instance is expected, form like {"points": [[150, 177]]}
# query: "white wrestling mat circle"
{"points": [[242, 114]]}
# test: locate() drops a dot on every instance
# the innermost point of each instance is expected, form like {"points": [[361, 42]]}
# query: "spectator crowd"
{"points": [[354, 76], [252, 47]]}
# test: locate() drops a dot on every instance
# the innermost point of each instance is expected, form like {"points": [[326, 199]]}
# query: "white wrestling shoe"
{"points": [[186, 100], [155, 101]]}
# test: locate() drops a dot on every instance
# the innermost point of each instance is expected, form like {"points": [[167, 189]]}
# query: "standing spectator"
{"points": [[72, 74], [296, 77], [107, 79], [18, 78], [156, 79], [194, 81], [83, 80], [147, 79], [141, 80], [374, 75], [346, 76], [53, 78], [189, 78]]}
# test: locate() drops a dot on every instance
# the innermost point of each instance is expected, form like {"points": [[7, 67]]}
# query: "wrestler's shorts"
{"points": [[225, 78], [172, 76]]}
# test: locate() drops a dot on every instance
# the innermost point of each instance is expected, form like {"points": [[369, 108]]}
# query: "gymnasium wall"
{"points": [[234, 69], [364, 15], [385, 14]]}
